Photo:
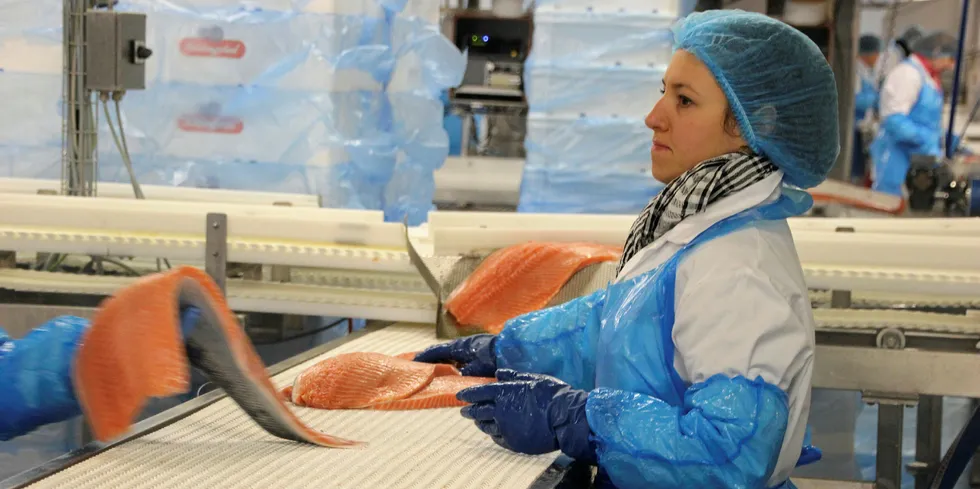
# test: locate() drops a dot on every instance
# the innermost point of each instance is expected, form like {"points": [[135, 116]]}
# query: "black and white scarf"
{"points": [[691, 193]]}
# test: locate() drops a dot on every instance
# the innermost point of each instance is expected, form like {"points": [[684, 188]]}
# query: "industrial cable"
{"points": [[301, 335], [123, 146], [98, 260]]}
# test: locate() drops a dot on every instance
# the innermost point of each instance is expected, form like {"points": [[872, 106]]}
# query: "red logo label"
{"points": [[209, 123], [207, 48]]}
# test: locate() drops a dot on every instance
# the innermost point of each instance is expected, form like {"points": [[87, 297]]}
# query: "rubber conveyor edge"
{"points": [[548, 479]]}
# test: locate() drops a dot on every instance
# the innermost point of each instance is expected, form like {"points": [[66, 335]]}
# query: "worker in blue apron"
{"points": [[36, 374], [865, 99], [911, 111], [693, 368]]}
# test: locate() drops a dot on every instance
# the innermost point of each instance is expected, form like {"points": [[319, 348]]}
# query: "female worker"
{"points": [[911, 111], [693, 368], [36, 374]]}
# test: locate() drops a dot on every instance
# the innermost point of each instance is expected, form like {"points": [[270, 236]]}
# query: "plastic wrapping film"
{"points": [[275, 95], [592, 77], [586, 192], [426, 63]]}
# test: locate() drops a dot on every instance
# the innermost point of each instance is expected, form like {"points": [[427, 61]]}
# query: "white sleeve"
{"points": [[742, 309], [738, 316], [900, 91]]}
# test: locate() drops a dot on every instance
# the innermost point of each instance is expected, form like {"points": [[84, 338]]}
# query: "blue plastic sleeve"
{"points": [[35, 376], [728, 433], [559, 341]]}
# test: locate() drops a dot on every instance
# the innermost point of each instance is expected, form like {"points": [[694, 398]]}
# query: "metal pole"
{"points": [[216, 249], [928, 440], [956, 79], [888, 460], [842, 54]]}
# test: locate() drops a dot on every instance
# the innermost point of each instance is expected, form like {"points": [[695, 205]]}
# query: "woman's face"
{"points": [[688, 122]]}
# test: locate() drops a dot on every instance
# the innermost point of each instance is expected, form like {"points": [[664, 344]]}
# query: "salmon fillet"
{"points": [[359, 380], [440, 393], [375, 381], [135, 350], [520, 279]]}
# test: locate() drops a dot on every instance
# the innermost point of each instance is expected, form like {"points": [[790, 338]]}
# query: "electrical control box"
{"points": [[115, 51]]}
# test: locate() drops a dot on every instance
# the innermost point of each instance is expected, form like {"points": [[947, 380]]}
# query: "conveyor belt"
{"points": [[372, 295], [219, 447]]}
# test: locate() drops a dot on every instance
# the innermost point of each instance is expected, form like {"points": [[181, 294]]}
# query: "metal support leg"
{"points": [[888, 461], [8, 259], [928, 440], [467, 129], [841, 299], [216, 249]]}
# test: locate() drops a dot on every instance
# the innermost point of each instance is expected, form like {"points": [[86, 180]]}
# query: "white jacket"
{"points": [[742, 306], [901, 89]]}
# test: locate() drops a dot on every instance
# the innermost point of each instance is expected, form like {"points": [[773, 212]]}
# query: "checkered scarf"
{"points": [[691, 193]]}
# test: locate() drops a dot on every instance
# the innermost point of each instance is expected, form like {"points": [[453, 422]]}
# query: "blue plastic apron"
{"points": [[892, 157], [642, 309]]}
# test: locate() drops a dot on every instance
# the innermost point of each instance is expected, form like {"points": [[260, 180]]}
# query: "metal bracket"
{"points": [[216, 249], [446, 327], [280, 273], [841, 299]]}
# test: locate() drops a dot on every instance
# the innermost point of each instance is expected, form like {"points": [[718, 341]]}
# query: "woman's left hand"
{"points": [[531, 413]]}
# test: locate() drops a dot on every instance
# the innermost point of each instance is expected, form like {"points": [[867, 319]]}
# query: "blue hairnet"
{"points": [[778, 83], [935, 45], [869, 44]]}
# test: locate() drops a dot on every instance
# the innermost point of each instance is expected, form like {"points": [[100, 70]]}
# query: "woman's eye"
{"points": [[663, 90], [685, 101]]}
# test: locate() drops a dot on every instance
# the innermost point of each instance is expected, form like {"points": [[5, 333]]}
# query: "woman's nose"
{"points": [[656, 119]]}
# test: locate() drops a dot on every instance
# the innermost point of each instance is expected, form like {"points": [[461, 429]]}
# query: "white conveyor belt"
{"points": [[220, 447]]}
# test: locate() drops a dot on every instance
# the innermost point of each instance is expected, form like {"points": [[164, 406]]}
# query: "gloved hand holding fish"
{"points": [[140, 344]]}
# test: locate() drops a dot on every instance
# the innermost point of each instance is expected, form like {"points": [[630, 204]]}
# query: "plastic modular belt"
{"points": [[219, 447]]}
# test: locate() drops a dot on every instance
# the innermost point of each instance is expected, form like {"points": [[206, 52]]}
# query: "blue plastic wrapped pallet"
{"points": [[587, 143], [579, 192], [285, 95], [570, 38], [426, 63], [590, 81]]}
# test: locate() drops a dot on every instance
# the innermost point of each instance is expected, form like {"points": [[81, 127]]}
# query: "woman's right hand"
{"points": [[474, 354]]}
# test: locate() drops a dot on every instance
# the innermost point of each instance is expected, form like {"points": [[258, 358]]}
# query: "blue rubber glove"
{"points": [[188, 319], [475, 354], [35, 376], [901, 128], [809, 454], [531, 413]]}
